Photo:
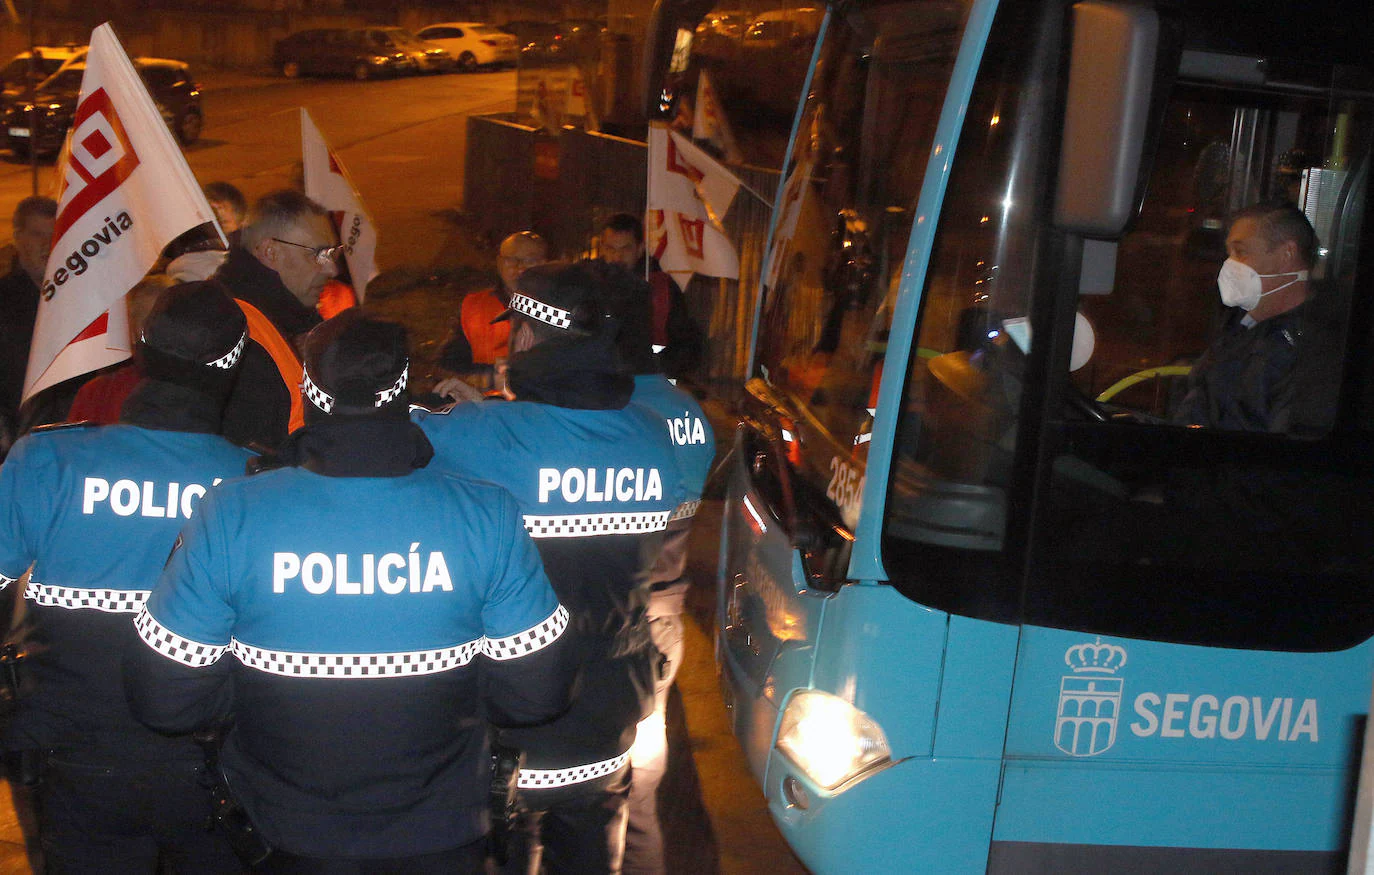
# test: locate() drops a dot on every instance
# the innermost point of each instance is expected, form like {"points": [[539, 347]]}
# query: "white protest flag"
{"points": [[580, 102], [327, 184], [126, 193], [692, 191], [794, 194], [63, 158], [658, 241], [709, 122]]}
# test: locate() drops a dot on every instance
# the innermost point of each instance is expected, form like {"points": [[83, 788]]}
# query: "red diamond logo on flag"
{"points": [[96, 144]]}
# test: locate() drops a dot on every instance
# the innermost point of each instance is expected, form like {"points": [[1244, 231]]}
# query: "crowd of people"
{"points": [[255, 586]]}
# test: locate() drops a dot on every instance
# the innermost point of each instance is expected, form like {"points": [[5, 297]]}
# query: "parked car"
{"points": [[15, 75], [538, 41], [719, 33], [783, 28], [170, 83], [728, 23], [360, 52], [473, 44], [429, 57], [581, 36]]}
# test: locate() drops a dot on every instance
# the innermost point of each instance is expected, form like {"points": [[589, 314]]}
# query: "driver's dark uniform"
{"points": [[1254, 377]]}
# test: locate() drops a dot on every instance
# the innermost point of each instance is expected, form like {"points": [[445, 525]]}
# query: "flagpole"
{"points": [[648, 193], [763, 200], [33, 96]]}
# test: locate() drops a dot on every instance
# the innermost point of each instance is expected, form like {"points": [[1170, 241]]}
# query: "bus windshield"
{"points": [[1139, 511], [845, 216]]}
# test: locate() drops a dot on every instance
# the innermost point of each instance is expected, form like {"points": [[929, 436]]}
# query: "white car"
{"points": [[473, 44], [14, 75]]}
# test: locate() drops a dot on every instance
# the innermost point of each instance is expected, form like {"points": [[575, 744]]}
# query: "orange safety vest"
{"points": [[335, 298], [261, 329], [489, 342]]}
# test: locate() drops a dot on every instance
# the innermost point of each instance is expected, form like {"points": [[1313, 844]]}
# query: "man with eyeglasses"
{"points": [[287, 252]]}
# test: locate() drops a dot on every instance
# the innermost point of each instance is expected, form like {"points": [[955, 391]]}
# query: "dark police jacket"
{"points": [[96, 510], [596, 488], [694, 443], [360, 629]]}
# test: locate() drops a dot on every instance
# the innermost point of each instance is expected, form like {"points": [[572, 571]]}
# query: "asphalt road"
{"points": [[402, 142]]}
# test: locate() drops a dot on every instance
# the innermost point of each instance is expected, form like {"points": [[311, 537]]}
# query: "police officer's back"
{"points": [[627, 298], [350, 609], [596, 480], [95, 511]]}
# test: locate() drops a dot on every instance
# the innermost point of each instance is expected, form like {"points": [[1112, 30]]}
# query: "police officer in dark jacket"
{"points": [[92, 513], [377, 613], [596, 480], [627, 298]]}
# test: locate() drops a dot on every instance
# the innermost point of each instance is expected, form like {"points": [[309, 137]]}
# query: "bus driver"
{"points": [[1259, 372]]}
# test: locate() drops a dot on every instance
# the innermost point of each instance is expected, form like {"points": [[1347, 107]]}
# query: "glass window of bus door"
{"points": [[757, 81], [1229, 532], [944, 538], [845, 217]]}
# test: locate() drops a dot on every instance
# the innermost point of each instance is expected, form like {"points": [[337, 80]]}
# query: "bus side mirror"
{"points": [[1122, 60], [667, 48]]}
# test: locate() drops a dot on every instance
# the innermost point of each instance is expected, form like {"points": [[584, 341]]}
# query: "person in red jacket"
{"points": [[476, 345]]}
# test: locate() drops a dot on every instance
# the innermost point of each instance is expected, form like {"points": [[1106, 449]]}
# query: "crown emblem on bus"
{"points": [[1089, 699], [1094, 657]]}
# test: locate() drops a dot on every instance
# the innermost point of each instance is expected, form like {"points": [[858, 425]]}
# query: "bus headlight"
{"points": [[829, 739]]}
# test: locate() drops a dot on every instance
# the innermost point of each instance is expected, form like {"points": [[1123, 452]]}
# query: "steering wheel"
{"points": [[1078, 401]]}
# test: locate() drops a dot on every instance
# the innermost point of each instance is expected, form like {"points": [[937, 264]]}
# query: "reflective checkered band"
{"points": [[685, 511], [355, 665], [173, 646], [539, 779], [532, 639], [6, 581], [388, 395], [113, 601], [231, 358], [539, 310], [324, 401], [577, 525], [320, 398]]}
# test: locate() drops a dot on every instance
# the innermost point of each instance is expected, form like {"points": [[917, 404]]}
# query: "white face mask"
{"points": [[1241, 286]]}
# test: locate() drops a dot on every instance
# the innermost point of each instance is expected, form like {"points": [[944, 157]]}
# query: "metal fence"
{"points": [[564, 187]]}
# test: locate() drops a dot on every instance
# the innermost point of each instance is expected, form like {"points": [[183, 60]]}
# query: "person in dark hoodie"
{"points": [[378, 612], [91, 513], [596, 480], [286, 254]]}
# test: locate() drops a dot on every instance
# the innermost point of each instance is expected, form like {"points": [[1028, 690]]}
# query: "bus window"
{"points": [[757, 68], [843, 226], [1220, 151], [1245, 532], [944, 541]]}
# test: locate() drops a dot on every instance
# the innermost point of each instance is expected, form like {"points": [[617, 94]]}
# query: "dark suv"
{"points": [[358, 52], [169, 82]]}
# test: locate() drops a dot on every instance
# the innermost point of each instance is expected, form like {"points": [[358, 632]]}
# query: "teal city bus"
{"points": [[982, 604]]}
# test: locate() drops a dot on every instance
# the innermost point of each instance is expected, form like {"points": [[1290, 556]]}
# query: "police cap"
{"points": [[566, 296], [194, 335], [356, 365]]}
